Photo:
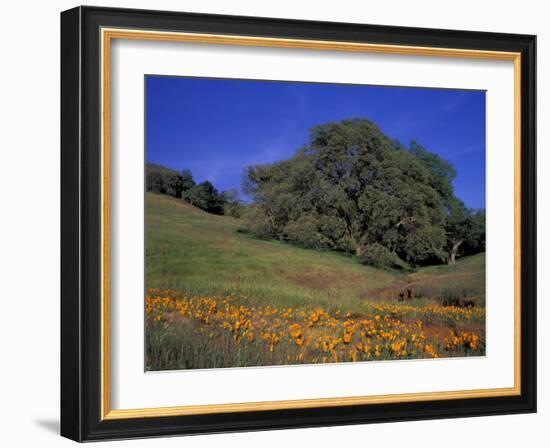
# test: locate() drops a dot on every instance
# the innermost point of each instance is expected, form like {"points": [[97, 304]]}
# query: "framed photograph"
{"points": [[273, 223]]}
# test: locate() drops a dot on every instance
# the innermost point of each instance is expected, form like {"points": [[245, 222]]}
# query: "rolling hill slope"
{"points": [[188, 249]]}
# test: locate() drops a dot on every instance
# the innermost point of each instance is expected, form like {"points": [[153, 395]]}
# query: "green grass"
{"points": [[465, 280], [188, 249]]}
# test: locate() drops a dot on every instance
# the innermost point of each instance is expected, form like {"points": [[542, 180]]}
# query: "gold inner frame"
{"points": [[107, 35]]}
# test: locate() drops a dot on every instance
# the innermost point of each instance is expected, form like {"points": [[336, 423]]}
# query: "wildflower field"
{"points": [[216, 298], [192, 332]]}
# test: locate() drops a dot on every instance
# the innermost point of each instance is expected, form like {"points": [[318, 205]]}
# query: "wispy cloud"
{"points": [[477, 147]]}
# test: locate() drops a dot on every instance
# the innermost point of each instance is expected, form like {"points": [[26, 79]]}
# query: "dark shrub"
{"points": [[303, 232], [205, 197], [379, 256], [235, 210], [257, 223]]}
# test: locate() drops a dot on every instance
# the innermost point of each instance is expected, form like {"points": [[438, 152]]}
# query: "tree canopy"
{"points": [[353, 189], [181, 185], [160, 179], [205, 197]]}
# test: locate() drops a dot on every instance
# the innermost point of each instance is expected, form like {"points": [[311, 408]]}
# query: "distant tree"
{"points": [[173, 184], [233, 205], [154, 181], [231, 196], [205, 197], [160, 179], [164, 180], [465, 231], [187, 181]]}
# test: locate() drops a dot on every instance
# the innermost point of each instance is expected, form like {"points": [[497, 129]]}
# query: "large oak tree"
{"points": [[353, 189]]}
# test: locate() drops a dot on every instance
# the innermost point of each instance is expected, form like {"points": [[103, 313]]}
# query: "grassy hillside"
{"points": [[220, 298], [188, 249], [465, 280], [196, 251]]}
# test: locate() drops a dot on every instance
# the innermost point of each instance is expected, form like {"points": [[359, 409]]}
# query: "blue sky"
{"points": [[215, 127]]}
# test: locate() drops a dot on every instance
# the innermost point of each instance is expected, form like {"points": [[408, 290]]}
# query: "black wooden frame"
{"points": [[80, 224]]}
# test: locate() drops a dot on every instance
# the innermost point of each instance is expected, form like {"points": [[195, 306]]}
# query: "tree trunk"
{"points": [[454, 251], [360, 245]]}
